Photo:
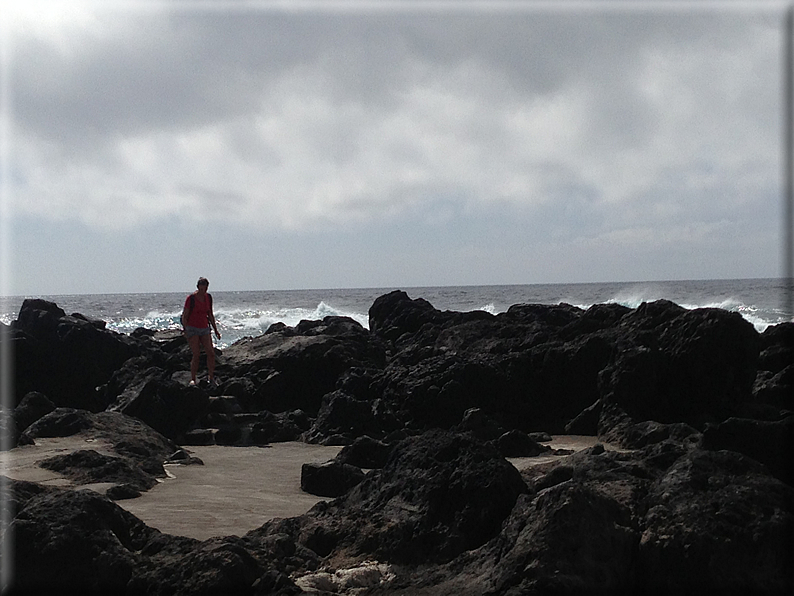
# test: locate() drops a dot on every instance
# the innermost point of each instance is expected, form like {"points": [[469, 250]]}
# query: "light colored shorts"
{"points": [[193, 331]]}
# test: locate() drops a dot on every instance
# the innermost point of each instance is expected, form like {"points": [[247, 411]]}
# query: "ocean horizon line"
{"points": [[406, 287]]}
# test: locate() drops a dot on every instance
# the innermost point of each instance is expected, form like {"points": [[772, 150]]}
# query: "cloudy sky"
{"points": [[331, 145]]}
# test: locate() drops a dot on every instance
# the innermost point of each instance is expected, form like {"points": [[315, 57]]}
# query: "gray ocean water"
{"points": [[250, 313]]}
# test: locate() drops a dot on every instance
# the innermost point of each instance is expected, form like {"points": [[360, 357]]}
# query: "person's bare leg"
{"points": [[193, 342], [206, 341]]}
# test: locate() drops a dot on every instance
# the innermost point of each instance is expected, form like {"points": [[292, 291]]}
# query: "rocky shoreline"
{"points": [[427, 404]]}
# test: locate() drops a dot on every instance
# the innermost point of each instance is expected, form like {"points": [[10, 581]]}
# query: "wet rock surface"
{"points": [[429, 403]]}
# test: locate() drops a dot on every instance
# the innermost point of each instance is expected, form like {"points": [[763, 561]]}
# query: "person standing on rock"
{"points": [[197, 316]]}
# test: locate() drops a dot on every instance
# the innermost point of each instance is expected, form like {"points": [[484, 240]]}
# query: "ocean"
{"points": [[249, 313]]}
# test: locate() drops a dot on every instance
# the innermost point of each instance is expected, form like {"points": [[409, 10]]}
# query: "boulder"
{"points": [[480, 425], [330, 479], [439, 494], [618, 428], [120, 492], [675, 365], [81, 542], [769, 443], [278, 428], [716, 522], [668, 518], [777, 347], [222, 565], [294, 367], [514, 366], [342, 415], [32, 407], [571, 538], [65, 357], [61, 422], [39, 317], [517, 443], [168, 407], [9, 436], [86, 466], [365, 452], [775, 389], [429, 390], [75, 541], [141, 450], [394, 315]]}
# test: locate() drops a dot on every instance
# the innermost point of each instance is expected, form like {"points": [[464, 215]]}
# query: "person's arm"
{"points": [[211, 319], [183, 318]]}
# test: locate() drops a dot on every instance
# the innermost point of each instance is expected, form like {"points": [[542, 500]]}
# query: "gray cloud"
{"points": [[595, 129]]}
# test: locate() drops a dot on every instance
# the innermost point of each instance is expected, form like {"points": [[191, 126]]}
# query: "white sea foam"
{"points": [[236, 323], [261, 319], [152, 320], [490, 308], [749, 313]]}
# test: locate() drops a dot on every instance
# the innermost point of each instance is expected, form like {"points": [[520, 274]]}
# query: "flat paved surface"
{"points": [[235, 491]]}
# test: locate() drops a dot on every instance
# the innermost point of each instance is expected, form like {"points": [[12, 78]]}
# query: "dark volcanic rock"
{"points": [[61, 422], [330, 479], [394, 315], [79, 542], [141, 449], [616, 427], [586, 422], [539, 367], [32, 407], [670, 518], [480, 425], [75, 541], [86, 466], [365, 452], [439, 495], [294, 367], [716, 522], [215, 566], [775, 389], [777, 347], [675, 365], [342, 415], [516, 443], [770, 443], [120, 492], [674, 511], [514, 366], [65, 357], [278, 428], [168, 407], [14, 495], [570, 539]]}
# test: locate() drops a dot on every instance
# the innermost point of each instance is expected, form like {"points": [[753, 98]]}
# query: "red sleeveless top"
{"points": [[197, 314]]}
